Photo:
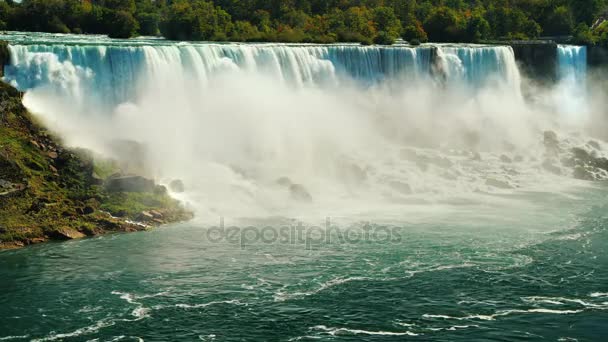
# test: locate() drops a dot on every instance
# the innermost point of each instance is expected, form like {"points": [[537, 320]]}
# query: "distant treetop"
{"points": [[314, 21]]}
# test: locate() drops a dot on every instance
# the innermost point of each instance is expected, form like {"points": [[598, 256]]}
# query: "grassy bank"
{"points": [[50, 192]]}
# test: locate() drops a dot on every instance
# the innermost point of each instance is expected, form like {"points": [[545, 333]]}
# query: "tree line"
{"points": [[314, 21]]}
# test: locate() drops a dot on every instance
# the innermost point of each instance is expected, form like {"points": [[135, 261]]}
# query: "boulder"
{"points": [[129, 184], [400, 187], [505, 159], [498, 183], [284, 181], [299, 193], [67, 234], [551, 142], [177, 186], [145, 216]]}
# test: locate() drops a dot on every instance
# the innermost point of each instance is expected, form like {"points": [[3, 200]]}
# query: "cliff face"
{"points": [[537, 60], [597, 56], [49, 192], [4, 56]]}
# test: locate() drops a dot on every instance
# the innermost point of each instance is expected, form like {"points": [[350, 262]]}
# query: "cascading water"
{"points": [[572, 86], [373, 127]]}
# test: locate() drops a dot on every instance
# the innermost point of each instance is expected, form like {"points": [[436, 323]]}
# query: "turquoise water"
{"points": [[538, 271]]}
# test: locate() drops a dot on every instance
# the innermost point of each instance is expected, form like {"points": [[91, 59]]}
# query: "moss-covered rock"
{"points": [[49, 192]]}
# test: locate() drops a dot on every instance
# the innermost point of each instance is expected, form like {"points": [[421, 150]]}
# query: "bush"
{"points": [[414, 32], [120, 24], [383, 38]]}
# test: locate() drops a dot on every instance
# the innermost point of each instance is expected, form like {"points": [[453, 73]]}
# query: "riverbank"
{"points": [[51, 192]]}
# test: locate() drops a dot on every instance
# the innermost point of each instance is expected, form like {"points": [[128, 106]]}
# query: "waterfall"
{"points": [[230, 119], [572, 83], [113, 74], [572, 62]]}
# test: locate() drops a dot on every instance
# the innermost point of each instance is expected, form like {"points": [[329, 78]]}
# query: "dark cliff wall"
{"points": [[537, 61], [4, 56], [597, 56]]}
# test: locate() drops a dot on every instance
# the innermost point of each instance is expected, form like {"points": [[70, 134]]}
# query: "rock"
{"points": [[34, 241], [402, 188], [551, 167], [299, 193], [130, 184], [551, 142], [160, 190], [156, 214], [36, 207], [67, 234], [177, 185], [145, 216], [595, 145], [53, 169], [34, 143], [583, 174], [505, 159], [96, 179], [498, 183], [53, 155], [284, 181]]}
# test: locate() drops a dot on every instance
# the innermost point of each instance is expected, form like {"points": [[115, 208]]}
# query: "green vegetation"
{"points": [[322, 21], [50, 192]]}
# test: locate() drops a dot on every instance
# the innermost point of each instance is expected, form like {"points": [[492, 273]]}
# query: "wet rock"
{"points": [[66, 234], [156, 214], [595, 145], [299, 193], [160, 190], [550, 166], [129, 184], [400, 187], [284, 181], [498, 183], [177, 185], [582, 173], [505, 159], [551, 142], [145, 216]]}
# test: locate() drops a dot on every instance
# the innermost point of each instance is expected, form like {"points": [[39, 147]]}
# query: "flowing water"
{"points": [[435, 210]]}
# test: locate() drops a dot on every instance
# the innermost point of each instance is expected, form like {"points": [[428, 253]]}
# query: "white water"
{"points": [[363, 129], [572, 90]]}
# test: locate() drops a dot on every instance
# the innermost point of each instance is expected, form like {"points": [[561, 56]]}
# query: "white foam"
{"points": [[337, 331], [204, 305]]}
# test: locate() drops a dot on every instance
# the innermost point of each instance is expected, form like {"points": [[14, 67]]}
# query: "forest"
{"points": [[316, 21]]}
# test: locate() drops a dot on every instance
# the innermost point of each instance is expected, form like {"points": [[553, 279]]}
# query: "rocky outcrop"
{"points": [[177, 186], [597, 56], [131, 183], [4, 56]]}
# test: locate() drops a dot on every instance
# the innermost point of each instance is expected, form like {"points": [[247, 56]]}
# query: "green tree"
{"points": [[444, 25], [120, 24], [386, 21], [560, 22]]}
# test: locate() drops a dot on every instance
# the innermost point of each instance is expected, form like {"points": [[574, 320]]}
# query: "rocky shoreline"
{"points": [[51, 192]]}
